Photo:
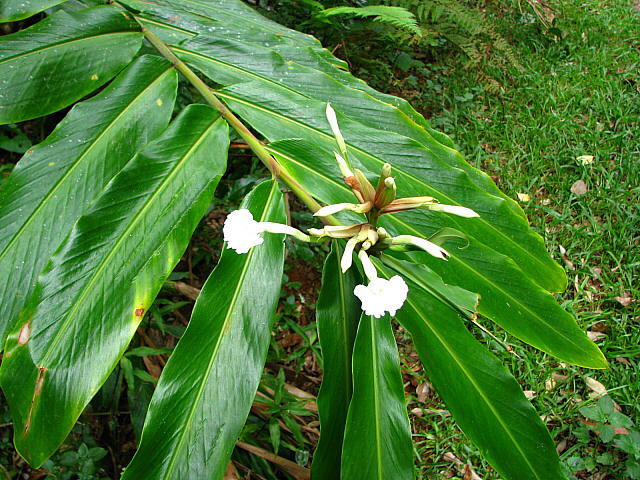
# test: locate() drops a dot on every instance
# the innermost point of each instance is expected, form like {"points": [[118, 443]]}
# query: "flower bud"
{"points": [[387, 194], [336, 231], [367, 190], [407, 203], [333, 123]]}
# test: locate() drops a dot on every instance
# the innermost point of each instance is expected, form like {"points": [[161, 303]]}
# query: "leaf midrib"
{"points": [[80, 159], [376, 398], [85, 291], [475, 385], [505, 293], [176, 451], [441, 195]]}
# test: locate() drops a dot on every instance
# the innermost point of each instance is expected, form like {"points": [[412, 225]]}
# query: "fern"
{"points": [[396, 16], [469, 30]]}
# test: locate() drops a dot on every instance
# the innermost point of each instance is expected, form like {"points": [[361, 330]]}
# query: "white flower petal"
{"points": [[335, 208], [382, 295], [454, 210], [241, 231], [347, 255], [430, 247]]}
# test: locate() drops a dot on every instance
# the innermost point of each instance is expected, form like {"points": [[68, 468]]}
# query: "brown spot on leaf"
{"points": [[138, 312], [36, 393], [25, 332]]}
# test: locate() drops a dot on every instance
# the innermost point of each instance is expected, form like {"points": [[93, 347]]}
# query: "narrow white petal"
{"points": [[335, 208], [342, 164], [347, 256], [333, 123], [454, 210], [369, 269], [282, 228], [430, 247]]}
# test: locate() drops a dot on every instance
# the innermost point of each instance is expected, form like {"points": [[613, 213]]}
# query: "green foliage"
{"points": [[611, 427], [395, 16], [121, 230]]}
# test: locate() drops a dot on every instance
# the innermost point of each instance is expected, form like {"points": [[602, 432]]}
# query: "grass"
{"points": [[572, 114]]}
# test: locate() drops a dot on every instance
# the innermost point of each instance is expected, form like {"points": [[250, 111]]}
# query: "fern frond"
{"points": [[398, 17]]}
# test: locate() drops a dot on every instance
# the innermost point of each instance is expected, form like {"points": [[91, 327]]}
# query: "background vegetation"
{"points": [[547, 100]]}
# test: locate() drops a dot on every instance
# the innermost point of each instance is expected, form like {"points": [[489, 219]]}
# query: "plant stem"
{"points": [[254, 144]]}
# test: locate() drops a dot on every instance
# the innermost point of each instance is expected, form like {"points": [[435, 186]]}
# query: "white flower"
{"points": [[454, 210], [382, 296], [241, 231]]}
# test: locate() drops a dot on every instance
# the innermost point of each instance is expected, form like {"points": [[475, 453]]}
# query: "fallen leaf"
{"points": [[529, 394], [562, 446], [624, 300], [450, 457], [552, 382], [623, 360], [596, 336], [595, 386], [585, 159], [469, 474], [417, 412], [579, 188], [423, 391], [563, 252], [524, 197]]}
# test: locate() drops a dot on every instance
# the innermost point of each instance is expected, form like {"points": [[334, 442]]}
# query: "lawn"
{"points": [[563, 138]]}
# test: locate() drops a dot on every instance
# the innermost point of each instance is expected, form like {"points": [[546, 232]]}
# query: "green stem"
{"points": [[254, 144]]}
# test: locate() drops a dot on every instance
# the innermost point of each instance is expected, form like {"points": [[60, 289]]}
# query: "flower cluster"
{"points": [[242, 232]]}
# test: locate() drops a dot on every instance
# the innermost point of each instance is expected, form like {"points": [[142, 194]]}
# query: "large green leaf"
{"points": [[61, 59], [337, 317], [206, 389], [12, 10], [377, 439], [512, 299], [283, 96], [92, 295], [52, 184], [486, 401], [223, 52], [177, 22]]}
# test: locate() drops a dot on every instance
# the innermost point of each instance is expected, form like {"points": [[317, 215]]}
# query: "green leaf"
{"points": [[279, 113], [92, 295], [208, 385], [279, 56], [397, 16], [13, 10], [485, 400], [54, 182], [280, 86], [377, 439], [510, 298], [337, 317], [66, 56]]}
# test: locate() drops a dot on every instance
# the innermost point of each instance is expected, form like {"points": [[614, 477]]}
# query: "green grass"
{"points": [[576, 95]]}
